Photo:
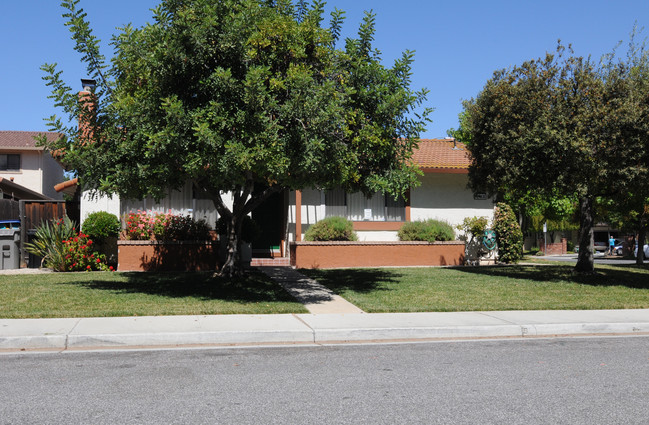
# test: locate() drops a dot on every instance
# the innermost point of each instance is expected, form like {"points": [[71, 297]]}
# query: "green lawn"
{"points": [[103, 294], [534, 287]]}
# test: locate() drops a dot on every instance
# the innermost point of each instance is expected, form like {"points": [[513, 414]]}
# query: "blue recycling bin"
{"points": [[9, 224]]}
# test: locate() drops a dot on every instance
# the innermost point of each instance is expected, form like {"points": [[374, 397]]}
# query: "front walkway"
{"points": [[315, 297]]}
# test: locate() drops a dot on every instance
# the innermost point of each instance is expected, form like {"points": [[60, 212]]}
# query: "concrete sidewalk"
{"points": [[164, 331], [317, 298]]}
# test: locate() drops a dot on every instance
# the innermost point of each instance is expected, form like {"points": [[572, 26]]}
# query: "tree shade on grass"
{"points": [[96, 294]]}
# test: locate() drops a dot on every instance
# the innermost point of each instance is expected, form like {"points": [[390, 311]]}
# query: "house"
{"points": [[443, 194], [285, 216], [28, 171]]}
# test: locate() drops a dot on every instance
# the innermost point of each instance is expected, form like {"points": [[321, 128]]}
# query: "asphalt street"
{"points": [[533, 381]]}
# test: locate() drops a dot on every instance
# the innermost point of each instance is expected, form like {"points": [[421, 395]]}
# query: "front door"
{"points": [[270, 217]]}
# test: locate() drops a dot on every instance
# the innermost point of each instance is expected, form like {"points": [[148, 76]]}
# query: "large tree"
{"points": [[553, 127], [247, 97]]}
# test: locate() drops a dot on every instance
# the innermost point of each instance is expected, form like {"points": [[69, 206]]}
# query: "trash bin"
{"points": [[9, 249], [9, 224]]}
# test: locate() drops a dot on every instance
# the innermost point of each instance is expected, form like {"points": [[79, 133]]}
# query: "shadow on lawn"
{"points": [[615, 275], [357, 280], [255, 287]]}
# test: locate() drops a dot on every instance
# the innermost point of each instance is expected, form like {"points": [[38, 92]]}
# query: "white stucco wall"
{"points": [[38, 172], [377, 235], [446, 197], [53, 174], [90, 204], [29, 175]]}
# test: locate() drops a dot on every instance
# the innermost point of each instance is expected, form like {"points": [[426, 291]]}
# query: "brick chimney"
{"points": [[88, 102]]}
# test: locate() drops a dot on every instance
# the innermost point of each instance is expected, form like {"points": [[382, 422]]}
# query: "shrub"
{"points": [[429, 230], [80, 257], [101, 225], [185, 228], [570, 246], [249, 229], [48, 242], [474, 226], [64, 249], [509, 236], [331, 229], [164, 227]]}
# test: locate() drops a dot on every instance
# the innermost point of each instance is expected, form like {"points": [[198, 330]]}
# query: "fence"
{"points": [[9, 209], [32, 214]]}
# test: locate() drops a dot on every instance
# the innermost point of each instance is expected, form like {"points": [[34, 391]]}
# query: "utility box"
{"points": [[9, 249]]}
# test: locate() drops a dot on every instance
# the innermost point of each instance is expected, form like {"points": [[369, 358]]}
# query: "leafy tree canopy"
{"points": [[242, 96], [563, 126]]}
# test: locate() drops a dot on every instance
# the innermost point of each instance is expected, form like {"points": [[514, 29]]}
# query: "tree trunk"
{"points": [[232, 266], [641, 238], [244, 202], [585, 262]]}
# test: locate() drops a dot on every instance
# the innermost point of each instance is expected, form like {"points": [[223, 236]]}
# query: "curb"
{"points": [[232, 330]]}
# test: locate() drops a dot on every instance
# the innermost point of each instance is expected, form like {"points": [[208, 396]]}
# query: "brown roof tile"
{"points": [[441, 154], [23, 139]]}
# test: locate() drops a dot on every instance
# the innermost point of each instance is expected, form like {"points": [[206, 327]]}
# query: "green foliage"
{"points": [[238, 95], [101, 225], [570, 246], [509, 236], [463, 132], [430, 230], [79, 256], [331, 229], [566, 129], [164, 227], [63, 249], [48, 242], [474, 226]]}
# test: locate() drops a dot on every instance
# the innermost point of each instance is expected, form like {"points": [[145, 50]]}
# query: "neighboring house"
{"points": [[284, 217], [24, 165]]}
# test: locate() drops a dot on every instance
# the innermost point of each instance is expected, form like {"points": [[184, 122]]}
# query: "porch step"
{"points": [[271, 262]]}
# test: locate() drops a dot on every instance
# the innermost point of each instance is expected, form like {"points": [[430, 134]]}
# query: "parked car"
{"points": [[646, 251], [601, 246], [619, 247]]}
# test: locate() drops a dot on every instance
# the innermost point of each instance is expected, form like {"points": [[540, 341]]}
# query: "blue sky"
{"points": [[458, 43]]}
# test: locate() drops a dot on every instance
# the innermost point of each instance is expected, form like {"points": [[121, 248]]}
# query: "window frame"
{"points": [[6, 161], [402, 216]]}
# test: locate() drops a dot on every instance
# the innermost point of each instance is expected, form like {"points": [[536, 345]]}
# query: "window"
{"points": [[358, 207], [9, 162]]}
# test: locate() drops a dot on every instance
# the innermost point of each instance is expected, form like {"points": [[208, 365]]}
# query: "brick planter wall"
{"points": [[166, 256], [554, 248], [326, 255]]}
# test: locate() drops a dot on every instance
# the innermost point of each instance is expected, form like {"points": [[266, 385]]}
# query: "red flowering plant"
{"points": [[144, 226], [141, 225], [64, 249], [79, 255]]}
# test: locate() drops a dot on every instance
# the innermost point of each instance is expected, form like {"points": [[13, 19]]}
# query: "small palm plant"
{"points": [[48, 242]]}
